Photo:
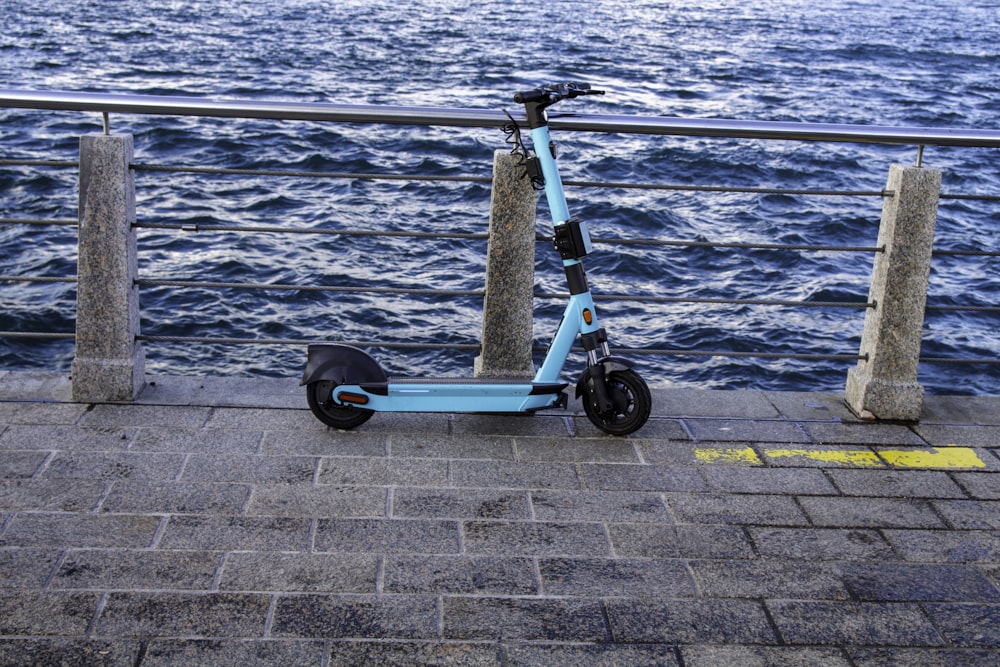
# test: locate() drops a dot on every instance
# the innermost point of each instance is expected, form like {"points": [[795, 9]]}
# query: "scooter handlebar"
{"points": [[552, 93]]}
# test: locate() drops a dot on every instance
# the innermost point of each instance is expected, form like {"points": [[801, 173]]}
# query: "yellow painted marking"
{"points": [[848, 457], [951, 456], [937, 457], [728, 455]]}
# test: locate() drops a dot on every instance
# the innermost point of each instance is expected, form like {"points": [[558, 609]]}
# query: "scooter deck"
{"points": [[537, 388], [409, 394]]}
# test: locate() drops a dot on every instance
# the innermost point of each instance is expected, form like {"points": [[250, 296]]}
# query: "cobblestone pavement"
{"points": [[217, 522]]}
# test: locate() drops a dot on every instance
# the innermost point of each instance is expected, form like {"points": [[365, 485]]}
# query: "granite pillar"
{"points": [[885, 386], [109, 364], [508, 308]]}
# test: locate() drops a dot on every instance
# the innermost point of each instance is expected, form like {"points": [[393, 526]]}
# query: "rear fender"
{"points": [[341, 364]]}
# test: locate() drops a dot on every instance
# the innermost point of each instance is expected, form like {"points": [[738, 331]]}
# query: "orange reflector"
{"points": [[357, 399], [588, 316]]}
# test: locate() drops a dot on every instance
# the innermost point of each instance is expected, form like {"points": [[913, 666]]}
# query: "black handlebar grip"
{"points": [[533, 95]]}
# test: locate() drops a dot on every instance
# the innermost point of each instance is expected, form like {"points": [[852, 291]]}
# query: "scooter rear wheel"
{"points": [[318, 394], [630, 398]]}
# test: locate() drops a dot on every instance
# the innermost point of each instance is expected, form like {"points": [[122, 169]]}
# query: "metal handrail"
{"points": [[454, 117]]}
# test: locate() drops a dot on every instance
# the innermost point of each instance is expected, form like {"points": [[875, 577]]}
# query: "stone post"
{"points": [[109, 364], [508, 308], [885, 386]]}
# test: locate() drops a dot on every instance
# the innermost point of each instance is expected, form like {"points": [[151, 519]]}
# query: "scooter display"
{"points": [[345, 386]]}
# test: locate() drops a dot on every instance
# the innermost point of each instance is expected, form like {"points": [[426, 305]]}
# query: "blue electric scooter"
{"points": [[345, 385]]}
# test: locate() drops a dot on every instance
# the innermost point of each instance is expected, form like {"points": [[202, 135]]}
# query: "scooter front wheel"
{"points": [[630, 399], [319, 394]]}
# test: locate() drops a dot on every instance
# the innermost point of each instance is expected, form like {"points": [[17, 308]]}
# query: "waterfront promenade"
{"points": [[217, 522]]}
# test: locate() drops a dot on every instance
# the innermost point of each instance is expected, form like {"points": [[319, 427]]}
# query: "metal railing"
{"points": [[145, 105]]}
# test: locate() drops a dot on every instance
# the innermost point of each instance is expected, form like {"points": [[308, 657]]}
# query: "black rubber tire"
{"points": [[337, 416], [631, 399]]}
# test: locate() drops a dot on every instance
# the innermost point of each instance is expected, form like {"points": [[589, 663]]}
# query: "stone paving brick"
{"points": [[40, 613], [68, 531], [970, 514], [301, 442], [716, 403], [807, 406], [383, 472], [234, 653], [968, 625], [298, 500], [406, 654], [823, 544], [615, 577], [299, 572], [62, 437], [656, 427], [528, 538], [741, 430], [853, 623], [202, 441], [26, 568], [262, 419], [896, 483], [853, 512], [533, 425], [460, 503], [531, 619], [672, 452], [485, 575], [902, 582], [735, 509], [760, 579], [688, 621], [356, 616], [828, 433], [50, 494], [137, 570], [243, 468], [644, 540], [114, 465], [183, 615], [592, 655], [175, 497], [504, 475], [122, 416], [230, 533], [387, 536], [748, 479], [590, 450], [763, 656], [47, 413], [599, 506], [942, 435], [927, 657], [979, 485], [69, 652], [623, 477], [940, 546], [21, 464], [495, 447]]}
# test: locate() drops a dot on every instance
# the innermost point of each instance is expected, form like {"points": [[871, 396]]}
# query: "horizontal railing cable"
{"points": [[38, 279], [66, 222], [199, 227], [421, 291], [314, 174], [148, 282]]}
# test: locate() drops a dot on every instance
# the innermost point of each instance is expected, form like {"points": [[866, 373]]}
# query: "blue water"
{"points": [[922, 62]]}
